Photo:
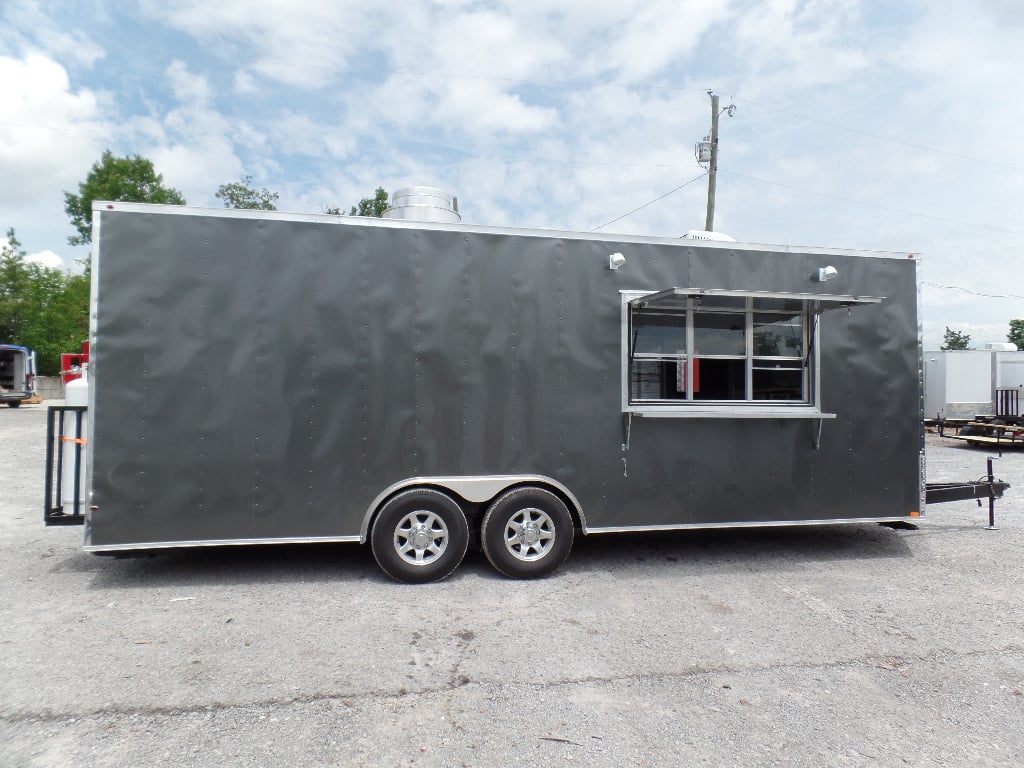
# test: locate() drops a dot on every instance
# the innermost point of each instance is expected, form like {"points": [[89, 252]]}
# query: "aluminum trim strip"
{"points": [[616, 239], [768, 524], [723, 412], [222, 543], [90, 373]]}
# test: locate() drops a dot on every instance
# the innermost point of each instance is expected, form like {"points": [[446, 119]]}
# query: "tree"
{"points": [[41, 308], [240, 194], [125, 179], [955, 340], [368, 206], [371, 206], [13, 284], [1016, 334], [56, 315]]}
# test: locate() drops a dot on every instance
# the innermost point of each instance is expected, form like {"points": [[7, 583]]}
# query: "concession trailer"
{"points": [[261, 377]]}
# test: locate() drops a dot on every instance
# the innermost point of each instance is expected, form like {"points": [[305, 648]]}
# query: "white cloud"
{"points": [[47, 259], [294, 133], [785, 46], [197, 170], [245, 83], [50, 133], [491, 44], [480, 108], [194, 145], [188, 88], [29, 28], [46, 130], [659, 34], [301, 43]]}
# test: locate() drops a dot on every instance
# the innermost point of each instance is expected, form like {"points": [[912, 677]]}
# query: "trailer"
{"points": [[260, 377], [17, 374]]}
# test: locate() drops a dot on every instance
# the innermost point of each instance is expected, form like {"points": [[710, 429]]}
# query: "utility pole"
{"points": [[709, 224]]}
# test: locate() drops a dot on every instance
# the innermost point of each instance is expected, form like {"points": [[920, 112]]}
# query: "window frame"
{"points": [[689, 301]]}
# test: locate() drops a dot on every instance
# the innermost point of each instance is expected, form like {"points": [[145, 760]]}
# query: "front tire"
{"points": [[420, 535], [527, 532], [14, 403]]}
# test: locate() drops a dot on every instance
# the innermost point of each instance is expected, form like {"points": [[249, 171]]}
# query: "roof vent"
{"points": [[423, 204], [699, 234]]}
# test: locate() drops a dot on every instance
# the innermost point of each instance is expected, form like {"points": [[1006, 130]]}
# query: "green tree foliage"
{"points": [[125, 179], [1016, 334], [368, 206], [13, 285], [41, 308], [955, 340], [371, 206], [240, 194]]}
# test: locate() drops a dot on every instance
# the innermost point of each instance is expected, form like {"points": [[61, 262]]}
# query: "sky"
{"points": [[862, 124]]}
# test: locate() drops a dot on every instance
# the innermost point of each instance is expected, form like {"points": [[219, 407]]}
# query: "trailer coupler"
{"points": [[984, 488]]}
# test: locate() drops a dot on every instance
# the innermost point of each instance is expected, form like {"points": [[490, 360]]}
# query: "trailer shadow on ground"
{"points": [[742, 550], [761, 550]]}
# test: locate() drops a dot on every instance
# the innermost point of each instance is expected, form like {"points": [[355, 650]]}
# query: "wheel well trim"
{"points": [[475, 489]]}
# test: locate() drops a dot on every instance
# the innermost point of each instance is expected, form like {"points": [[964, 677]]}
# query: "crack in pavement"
{"points": [[877, 661]]}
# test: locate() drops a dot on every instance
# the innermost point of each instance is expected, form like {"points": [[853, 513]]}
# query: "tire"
{"points": [[14, 403], [420, 535], [527, 532]]}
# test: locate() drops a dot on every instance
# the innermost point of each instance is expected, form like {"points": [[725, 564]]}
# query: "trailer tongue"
{"points": [[984, 488]]}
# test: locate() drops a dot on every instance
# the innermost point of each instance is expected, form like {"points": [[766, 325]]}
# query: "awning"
{"points": [[721, 298]]}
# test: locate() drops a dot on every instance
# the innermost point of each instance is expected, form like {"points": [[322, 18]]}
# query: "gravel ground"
{"points": [[833, 646]]}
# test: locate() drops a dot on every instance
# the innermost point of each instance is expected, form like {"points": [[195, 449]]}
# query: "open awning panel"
{"points": [[720, 298]]}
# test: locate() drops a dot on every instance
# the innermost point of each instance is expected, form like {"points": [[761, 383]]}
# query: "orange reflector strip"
{"points": [[79, 440], [915, 514]]}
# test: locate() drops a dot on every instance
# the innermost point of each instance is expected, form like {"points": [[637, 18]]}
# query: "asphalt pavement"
{"points": [[842, 645]]}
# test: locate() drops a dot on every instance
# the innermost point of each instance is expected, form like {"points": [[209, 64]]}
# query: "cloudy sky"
{"points": [[858, 124]]}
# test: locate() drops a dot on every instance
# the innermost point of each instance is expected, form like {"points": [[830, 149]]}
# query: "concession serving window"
{"points": [[711, 352]]}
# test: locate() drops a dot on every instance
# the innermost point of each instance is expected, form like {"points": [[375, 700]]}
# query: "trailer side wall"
{"points": [[267, 378]]}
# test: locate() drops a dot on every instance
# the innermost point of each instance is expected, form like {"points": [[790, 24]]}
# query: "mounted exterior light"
{"points": [[616, 260], [827, 273]]}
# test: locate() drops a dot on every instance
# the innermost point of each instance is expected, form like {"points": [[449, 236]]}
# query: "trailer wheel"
{"points": [[527, 532], [420, 535]]}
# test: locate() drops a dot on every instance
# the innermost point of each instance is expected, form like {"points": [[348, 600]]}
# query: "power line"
{"points": [[973, 293], [890, 139], [874, 205], [422, 73], [650, 202]]}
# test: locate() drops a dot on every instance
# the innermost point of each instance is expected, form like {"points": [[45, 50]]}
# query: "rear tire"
{"points": [[14, 403], [420, 535], [527, 532]]}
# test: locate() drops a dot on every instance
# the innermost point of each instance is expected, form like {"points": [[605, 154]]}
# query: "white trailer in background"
{"points": [[963, 384]]}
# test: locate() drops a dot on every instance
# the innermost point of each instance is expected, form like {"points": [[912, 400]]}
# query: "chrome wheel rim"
{"points": [[529, 534], [421, 537]]}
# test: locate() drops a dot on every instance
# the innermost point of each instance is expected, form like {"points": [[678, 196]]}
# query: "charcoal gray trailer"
{"points": [[262, 377]]}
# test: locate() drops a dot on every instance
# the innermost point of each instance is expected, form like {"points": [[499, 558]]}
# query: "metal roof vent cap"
{"points": [[423, 204]]}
